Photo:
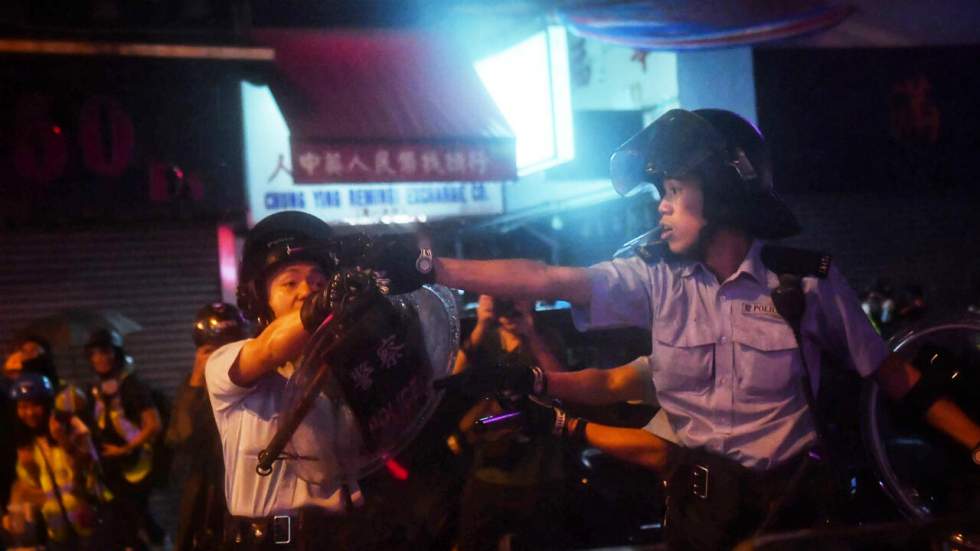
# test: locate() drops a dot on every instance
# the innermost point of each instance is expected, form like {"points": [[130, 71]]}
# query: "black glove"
{"points": [[537, 418], [507, 379], [316, 307], [541, 418], [544, 419], [405, 266], [516, 382], [343, 287], [472, 382]]}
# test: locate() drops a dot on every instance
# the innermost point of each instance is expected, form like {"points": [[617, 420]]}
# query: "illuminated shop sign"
{"points": [[272, 185], [379, 163]]}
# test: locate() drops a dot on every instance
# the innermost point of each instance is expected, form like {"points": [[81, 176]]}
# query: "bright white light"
{"points": [[399, 219], [530, 84]]}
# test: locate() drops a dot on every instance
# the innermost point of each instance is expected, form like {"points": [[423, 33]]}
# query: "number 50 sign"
{"points": [[106, 139]]}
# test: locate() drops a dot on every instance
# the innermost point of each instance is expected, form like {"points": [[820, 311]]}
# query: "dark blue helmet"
{"points": [[104, 338], [278, 239], [217, 324], [31, 386]]}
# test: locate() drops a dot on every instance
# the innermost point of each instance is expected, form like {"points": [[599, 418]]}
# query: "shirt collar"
{"points": [[684, 267], [751, 265]]}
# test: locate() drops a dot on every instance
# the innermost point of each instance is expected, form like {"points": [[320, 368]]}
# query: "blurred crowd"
{"points": [[81, 461], [893, 309]]}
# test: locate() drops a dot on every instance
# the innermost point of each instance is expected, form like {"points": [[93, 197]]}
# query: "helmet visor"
{"points": [[671, 146]]}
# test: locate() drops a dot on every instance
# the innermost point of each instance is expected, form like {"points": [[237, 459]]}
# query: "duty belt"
{"points": [[276, 529], [700, 474], [286, 529]]}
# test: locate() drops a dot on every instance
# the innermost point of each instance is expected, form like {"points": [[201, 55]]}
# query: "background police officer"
{"points": [[193, 435]]}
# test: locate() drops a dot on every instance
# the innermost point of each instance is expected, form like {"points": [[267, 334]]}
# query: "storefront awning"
{"points": [[386, 106]]}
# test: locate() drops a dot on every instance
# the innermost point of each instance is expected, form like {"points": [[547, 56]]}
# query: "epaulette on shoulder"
{"points": [[799, 262]]}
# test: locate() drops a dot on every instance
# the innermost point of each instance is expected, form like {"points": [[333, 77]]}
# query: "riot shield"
{"points": [[364, 396], [927, 474]]}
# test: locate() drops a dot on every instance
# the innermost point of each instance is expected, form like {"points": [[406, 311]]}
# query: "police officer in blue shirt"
{"points": [[726, 362]]}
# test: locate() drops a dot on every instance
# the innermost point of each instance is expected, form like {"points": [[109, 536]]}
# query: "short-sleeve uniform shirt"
{"points": [[247, 420], [725, 365]]}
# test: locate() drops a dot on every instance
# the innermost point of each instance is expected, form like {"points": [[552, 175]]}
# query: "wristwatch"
{"points": [[424, 262]]}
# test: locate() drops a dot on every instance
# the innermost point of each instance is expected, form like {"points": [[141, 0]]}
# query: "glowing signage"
{"points": [[271, 181]]}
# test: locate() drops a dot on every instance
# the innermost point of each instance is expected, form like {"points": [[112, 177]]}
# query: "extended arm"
{"points": [[632, 445], [897, 377], [636, 446], [627, 382], [606, 386], [850, 330], [519, 279], [600, 386]]}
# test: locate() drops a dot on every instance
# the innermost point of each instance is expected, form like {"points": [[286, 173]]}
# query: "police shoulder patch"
{"points": [[799, 262]]}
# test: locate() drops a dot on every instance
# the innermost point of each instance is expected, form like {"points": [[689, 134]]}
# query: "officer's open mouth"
{"points": [[666, 231]]}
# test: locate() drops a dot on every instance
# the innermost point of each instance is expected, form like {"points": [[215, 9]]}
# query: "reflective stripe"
{"points": [[75, 500]]}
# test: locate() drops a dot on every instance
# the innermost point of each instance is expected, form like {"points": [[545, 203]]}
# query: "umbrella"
{"points": [[71, 328]]}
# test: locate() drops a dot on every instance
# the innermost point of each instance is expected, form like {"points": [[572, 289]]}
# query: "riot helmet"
{"points": [[728, 154], [218, 324], [107, 339], [32, 386], [277, 240]]}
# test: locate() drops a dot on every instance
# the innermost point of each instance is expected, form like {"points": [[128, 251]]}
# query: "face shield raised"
{"points": [[672, 146], [725, 151]]}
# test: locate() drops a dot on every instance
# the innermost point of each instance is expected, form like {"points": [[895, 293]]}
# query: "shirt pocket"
{"points": [[767, 359], [683, 358]]}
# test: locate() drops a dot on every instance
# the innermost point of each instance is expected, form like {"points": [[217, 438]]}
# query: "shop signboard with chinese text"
{"points": [[422, 162], [274, 183]]}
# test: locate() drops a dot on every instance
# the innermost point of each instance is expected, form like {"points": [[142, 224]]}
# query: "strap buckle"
{"points": [[699, 481], [282, 529]]}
